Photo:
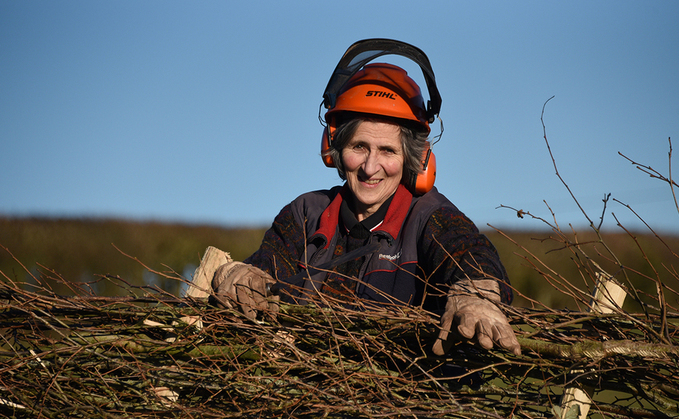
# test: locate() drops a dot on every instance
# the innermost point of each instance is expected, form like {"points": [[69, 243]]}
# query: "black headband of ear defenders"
{"points": [[362, 52]]}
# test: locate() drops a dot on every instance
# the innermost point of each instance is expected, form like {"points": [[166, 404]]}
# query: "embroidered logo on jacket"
{"points": [[390, 257]]}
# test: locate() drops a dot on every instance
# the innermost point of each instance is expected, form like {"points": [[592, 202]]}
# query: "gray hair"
{"points": [[413, 143]]}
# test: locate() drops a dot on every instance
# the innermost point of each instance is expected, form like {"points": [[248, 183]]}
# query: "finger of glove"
{"points": [[247, 304], [505, 338], [438, 347], [226, 276], [489, 332], [222, 301], [446, 322], [224, 292], [257, 283], [219, 280], [466, 324], [500, 331], [485, 333]]}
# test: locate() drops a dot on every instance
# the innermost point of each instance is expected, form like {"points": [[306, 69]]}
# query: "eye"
{"points": [[389, 151]]}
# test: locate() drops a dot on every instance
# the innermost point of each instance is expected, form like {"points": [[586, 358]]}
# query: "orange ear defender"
{"points": [[424, 180], [325, 146]]}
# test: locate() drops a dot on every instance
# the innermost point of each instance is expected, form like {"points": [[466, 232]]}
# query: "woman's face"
{"points": [[373, 165]]}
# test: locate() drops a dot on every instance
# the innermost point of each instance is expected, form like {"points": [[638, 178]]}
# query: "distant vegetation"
{"points": [[87, 250]]}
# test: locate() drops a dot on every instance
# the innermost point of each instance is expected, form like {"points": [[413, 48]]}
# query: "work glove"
{"points": [[246, 286], [471, 309]]}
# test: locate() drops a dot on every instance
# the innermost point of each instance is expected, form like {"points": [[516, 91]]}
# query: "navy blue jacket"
{"points": [[426, 243]]}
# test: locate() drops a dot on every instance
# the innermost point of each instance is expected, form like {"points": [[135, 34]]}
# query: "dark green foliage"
{"points": [[87, 249]]}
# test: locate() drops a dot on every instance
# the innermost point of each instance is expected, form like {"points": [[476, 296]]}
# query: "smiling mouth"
{"points": [[372, 181]]}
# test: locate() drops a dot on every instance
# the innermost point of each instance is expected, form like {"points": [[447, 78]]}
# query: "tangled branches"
{"points": [[155, 355]]}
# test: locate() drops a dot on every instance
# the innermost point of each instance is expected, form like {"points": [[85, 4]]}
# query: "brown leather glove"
{"points": [[238, 283], [471, 308]]}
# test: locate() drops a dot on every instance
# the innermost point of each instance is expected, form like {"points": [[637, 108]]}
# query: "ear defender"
{"points": [[326, 139], [325, 146], [423, 182]]}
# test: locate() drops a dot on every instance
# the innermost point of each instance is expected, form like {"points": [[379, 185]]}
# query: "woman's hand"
{"points": [[471, 309], [245, 285]]}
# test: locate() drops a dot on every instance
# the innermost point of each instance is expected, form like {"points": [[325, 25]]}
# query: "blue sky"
{"points": [[207, 111]]}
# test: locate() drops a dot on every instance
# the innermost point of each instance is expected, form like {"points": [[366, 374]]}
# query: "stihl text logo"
{"points": [[378, 93]]}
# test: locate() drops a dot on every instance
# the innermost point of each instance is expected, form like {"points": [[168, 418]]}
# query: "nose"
{"points": [[371, 165]]}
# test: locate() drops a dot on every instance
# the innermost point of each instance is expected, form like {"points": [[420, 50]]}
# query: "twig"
{"points": [[657, 175], [549, 149]]}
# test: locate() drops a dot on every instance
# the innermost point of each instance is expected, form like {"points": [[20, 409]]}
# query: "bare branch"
{"points": [[556, 170]]}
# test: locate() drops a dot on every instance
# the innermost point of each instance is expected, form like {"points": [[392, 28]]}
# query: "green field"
{"points": [[540, 264]]}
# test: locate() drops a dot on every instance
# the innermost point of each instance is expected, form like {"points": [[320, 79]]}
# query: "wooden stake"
{"points": [[608, 295], [201, 284]]}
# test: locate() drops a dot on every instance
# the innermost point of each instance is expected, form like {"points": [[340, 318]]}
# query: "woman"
{"points": [[422, 250]]}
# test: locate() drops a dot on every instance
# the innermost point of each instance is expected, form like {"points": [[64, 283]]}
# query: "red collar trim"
{"points": [[397, 212], [393, 220]]}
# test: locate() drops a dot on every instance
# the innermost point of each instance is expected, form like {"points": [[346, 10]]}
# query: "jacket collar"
{"points": [[393, 220]]}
